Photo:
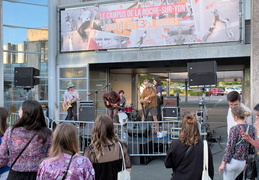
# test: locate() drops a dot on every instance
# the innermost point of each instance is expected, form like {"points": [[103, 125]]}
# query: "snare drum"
{"points": [[128, 109], [123, 118]]}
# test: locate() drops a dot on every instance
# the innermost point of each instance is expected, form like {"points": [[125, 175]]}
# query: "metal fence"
{"points": [[14, 116], [139, 136]]}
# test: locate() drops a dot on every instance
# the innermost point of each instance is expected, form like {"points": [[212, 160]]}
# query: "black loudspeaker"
{"points": [[86, 114], [202, 73], [24, 77]]}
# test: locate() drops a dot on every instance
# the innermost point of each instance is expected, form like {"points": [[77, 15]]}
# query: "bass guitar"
{"points": [[67, 105]]}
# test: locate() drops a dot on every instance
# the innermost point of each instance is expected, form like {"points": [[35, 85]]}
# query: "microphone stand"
{"points": [[96, 93]]}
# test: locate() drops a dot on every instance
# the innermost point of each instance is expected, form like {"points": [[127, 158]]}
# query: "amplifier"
{"points": [[171, 101], [86, 113], [86, 104], [170, 112]]}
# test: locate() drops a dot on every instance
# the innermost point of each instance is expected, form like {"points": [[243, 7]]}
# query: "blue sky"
{"points": [[25, 15]]}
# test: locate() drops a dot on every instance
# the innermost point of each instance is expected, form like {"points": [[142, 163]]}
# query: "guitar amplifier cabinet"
{"points": [[86, 114], [170, 112], [171, 101]]}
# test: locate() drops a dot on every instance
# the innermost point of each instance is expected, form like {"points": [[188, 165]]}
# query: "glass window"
{"points": [[73, 72], [25, 31], [16, 36], [33, 60], [26, 15]]}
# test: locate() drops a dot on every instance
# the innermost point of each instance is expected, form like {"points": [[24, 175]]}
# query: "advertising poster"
{"points": [[149, 24]]}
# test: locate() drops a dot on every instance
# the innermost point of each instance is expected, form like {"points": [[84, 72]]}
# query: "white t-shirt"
{"points": [[231, 122]]}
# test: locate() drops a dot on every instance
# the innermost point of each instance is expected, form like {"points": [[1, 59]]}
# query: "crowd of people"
{"points": [[29, 150]]}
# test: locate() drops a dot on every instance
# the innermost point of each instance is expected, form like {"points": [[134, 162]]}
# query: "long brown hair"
{"points": [[3, 120], [190, 134], [33, 119], [103, 134], [64, 140]]}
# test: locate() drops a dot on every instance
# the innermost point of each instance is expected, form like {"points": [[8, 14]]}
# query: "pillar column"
{"points": [[254, 53]]}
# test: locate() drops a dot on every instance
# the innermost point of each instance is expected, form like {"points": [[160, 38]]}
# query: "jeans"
{"points": [[233, 169]]}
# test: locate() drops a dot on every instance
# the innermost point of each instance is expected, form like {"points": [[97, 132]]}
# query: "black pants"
{"points": [[240, 176], [72, 112], [15, 175]]}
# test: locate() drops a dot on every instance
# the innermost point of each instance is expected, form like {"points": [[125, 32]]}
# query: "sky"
{"points": [[26, 16]]}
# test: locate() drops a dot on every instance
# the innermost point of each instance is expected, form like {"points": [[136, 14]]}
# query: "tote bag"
{"points": [[124, 174], [205, 172]]}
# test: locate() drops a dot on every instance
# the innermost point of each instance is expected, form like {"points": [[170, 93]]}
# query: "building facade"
{"points": [[95, 70]]}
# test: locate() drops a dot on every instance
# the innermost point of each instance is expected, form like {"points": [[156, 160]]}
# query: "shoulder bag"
{"points": [[68, 167], [205, 172], [21, 153], [185, 155], [124, 174]]}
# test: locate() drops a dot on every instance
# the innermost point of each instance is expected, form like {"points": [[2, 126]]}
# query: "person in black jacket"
{"points": [[188, 165]]}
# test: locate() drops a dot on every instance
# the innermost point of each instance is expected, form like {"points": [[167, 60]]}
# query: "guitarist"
{"points": [[149, 103], [112, 101], [70, 97]]}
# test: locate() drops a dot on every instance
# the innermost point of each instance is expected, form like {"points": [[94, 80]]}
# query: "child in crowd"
{"points": [[64, 161]]}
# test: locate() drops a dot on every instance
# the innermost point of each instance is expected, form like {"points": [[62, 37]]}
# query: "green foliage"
{"points": [[231, 83]]}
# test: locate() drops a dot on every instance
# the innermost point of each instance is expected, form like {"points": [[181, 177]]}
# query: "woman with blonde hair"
{"points": [[64, 161], [104, 152], [236, 152], [185, 155]]}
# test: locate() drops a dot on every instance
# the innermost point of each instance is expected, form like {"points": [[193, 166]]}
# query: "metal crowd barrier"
{"points": [[139, 136], [14, 116]]}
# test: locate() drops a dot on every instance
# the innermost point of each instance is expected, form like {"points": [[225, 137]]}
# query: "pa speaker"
{"points": [[202, 73], [24, 77]]}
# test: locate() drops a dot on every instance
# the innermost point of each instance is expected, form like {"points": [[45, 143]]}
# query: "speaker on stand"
{"points": [[202, 73]]}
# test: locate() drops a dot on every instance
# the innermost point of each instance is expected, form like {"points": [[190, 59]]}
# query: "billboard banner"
{"points": [[149, 23]]}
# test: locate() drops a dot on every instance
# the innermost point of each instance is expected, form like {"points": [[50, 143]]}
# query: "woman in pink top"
{"points": [[64, 162]]}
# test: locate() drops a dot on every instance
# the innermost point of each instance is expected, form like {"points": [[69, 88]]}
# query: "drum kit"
{"points": [[128, 113]]}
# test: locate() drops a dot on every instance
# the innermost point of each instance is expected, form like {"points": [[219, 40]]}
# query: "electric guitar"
{"points": [[112, 106]]}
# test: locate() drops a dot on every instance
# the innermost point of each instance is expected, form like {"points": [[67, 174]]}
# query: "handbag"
{"points": [[205, 172], [251, 172], [124, 174]]}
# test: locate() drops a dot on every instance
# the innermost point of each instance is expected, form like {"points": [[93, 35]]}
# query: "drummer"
{"points": [[122, 100]]}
